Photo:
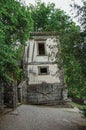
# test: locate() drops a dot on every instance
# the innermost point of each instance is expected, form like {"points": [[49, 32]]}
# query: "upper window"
{"points": [[41, 48]]}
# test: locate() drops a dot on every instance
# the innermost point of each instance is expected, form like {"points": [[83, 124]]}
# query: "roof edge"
{"points": [[44, 34]]}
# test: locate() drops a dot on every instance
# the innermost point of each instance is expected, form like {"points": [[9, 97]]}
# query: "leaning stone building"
{"points": [[43, 69]]}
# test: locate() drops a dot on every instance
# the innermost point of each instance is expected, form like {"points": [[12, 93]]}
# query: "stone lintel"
{"points": [[39, 63]]}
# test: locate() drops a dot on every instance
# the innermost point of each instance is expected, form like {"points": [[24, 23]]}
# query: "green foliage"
{"points": [[48, 18], [78, 105], [81, 48], [15, 25], [40, 15]]}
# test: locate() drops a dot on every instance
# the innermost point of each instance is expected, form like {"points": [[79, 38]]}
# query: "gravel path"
{"points": [[31, 117]]}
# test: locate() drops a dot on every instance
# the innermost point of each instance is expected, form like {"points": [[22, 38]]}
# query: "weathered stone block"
{"points": [[44, 93]]}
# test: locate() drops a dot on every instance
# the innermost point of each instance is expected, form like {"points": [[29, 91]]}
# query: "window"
{"points": [[43, 70], [41, 48]]}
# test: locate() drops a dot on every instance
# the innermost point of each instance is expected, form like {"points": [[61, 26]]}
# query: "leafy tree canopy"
{"points": [[15, 25]]}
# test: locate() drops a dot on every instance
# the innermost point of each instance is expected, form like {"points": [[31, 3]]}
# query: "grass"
{"points": [[78, 105], [81, 107]]}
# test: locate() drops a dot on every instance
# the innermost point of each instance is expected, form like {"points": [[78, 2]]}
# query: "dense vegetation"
{"points": [[15, 25], [16, 21], [81, 49]]}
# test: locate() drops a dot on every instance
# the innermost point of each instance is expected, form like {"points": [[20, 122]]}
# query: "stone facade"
{"points": [[43, 69]]}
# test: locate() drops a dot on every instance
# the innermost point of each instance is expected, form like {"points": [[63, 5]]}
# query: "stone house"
{"points": [[44, 77], [43, 69]]}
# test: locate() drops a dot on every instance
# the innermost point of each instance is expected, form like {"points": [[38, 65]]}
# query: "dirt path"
{"points": [[30, 117]]}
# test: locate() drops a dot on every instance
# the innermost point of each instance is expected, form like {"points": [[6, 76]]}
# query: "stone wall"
{"points": [[1, 100], [10, 95], [45, 93], [22, 92]]}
